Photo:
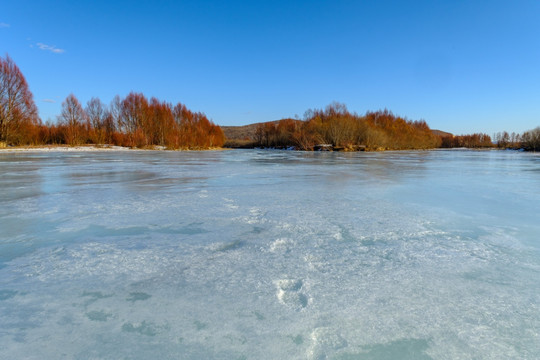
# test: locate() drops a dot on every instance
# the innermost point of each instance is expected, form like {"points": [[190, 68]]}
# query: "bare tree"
{"points": [[96, 113], [531, 139], [73, 118], [17, 108]]}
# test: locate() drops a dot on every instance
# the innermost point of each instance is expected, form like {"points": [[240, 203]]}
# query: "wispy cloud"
{"points": [[49, 101], [50, 48], [4, 25]]}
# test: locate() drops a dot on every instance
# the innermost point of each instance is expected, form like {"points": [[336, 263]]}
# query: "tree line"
{"points": [[133, 121], [472, 141], [335, 126], [529, 140], [137, 121], [339, 129]]}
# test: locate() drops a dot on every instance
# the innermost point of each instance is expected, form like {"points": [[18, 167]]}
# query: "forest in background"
{"points": [[336, 128], [133, 121], [136, 121]]}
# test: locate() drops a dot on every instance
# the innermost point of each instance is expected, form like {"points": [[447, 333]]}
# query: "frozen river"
{"points": [[270, 255]]}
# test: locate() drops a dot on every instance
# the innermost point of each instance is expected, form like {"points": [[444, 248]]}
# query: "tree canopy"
{"points": [[137, 121], [132, 121], [18, 112]]}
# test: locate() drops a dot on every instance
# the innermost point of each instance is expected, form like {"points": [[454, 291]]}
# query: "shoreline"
{"points": [[65, 148], [115, 148], [91, 148]]}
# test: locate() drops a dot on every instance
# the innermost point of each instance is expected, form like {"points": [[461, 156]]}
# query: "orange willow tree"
{"points": [[336, 126], [18, 113], [132, 121], [73, 119], [144, 123]]}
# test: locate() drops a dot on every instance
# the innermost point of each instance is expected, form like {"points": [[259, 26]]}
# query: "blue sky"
{"points": [[463, 66]]}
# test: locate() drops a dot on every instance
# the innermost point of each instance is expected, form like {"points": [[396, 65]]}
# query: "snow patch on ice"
{"points": [[290, 292], [281, 245], [324, 343]]}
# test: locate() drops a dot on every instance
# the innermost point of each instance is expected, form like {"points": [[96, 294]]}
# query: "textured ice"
{"points": [[291, 292], [324, 341], [270, 255]]}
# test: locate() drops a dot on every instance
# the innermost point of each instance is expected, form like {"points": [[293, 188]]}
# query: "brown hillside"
{"points": [[245, 132], [441, 133]]}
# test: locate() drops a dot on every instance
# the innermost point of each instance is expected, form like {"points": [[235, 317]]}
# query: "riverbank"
{"points": [[65, 148], [92, 148]]}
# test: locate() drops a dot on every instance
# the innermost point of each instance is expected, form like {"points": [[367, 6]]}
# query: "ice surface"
{"points": [[270, 255]]}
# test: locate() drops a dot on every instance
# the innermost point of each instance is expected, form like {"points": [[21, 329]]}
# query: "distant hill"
{"points": [[245, 132], [441, 133]]}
